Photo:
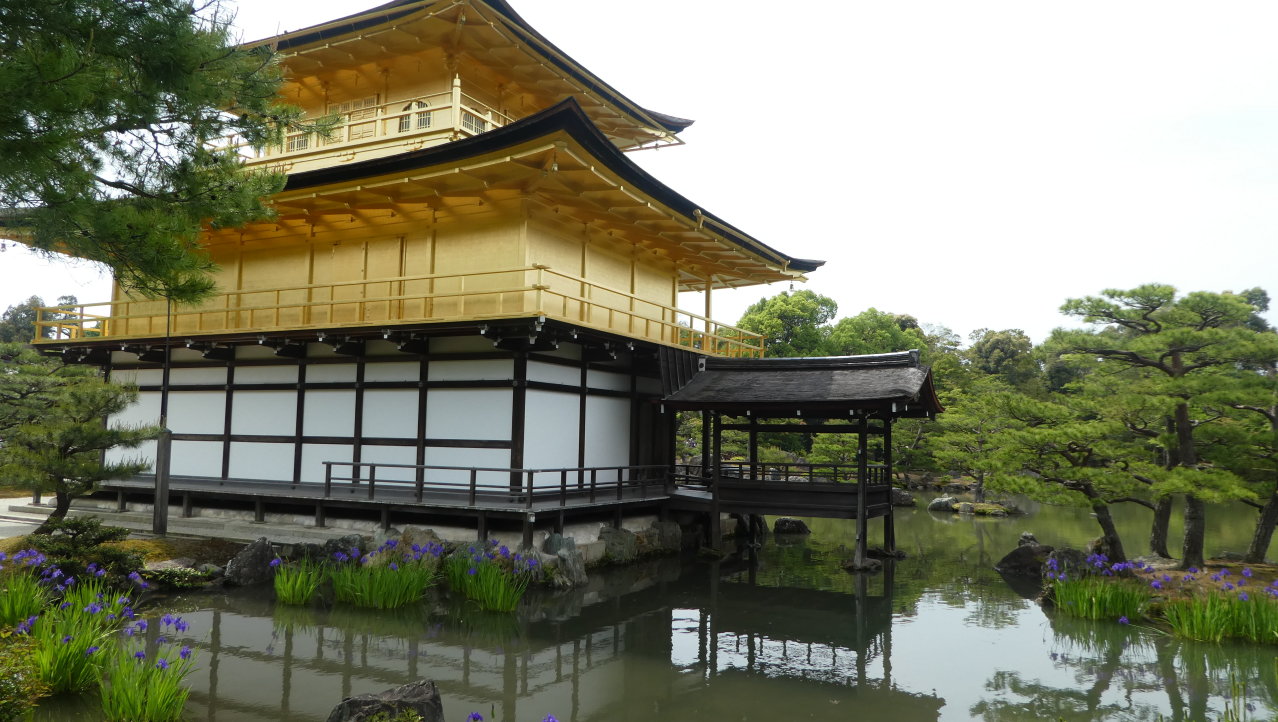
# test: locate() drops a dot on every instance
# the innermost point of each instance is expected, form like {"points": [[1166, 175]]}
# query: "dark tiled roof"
{"points": [[832, 385]]}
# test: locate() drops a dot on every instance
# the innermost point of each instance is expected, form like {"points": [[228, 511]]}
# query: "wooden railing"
{"points": [[877, 474], [480, 486], [529, 291], [449, 115]]}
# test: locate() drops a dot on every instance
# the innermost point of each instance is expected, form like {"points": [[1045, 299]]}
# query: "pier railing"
{"points": [[877, 474], [483, 486]]}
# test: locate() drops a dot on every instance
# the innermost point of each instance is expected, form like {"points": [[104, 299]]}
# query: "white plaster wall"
{"points": [[313, 456], [550, 436], [266, 375], [455, 456], [607, 431], [390, 413], [197, 412], [202, 375], [197, 458], [391, 371], [266, 413], [390, 455], [329, 413], [481, 414], [250, 460], [143, 412], [149, 377], [596, 379], [554, 374], [330, 373], [483, 370]]}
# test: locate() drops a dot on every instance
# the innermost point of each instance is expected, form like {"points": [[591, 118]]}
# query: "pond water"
{"points": [[781, 633]]}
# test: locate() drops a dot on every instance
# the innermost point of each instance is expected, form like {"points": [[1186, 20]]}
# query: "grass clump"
{"points": [[1093, 598], [491, 575], [386, 578], [296, 583], [137, 687], [1216, 616]]}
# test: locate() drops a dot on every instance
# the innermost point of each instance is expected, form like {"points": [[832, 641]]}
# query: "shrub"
{"points": [[77, 542], [20, 686]]}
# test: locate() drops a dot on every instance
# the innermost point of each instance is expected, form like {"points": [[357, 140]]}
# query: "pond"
{"points": [[777, 633]]}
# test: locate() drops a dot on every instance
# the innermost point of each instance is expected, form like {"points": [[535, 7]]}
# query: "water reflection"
{"points": [[686, 642]]}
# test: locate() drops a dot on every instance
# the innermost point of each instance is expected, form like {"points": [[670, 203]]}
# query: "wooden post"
{"points": [[889, 521], [706, 437], [716, 481], [754, 448], [862, 474]]}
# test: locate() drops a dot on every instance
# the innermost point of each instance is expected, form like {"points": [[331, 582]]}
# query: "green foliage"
{"points": [[1099, 598], [406, 715], [490, 575], [1219, 616], [111, 126], [22, 596], [1007, 354], [18, 322], [176, 578], [70, 636], [20, 685], [73, 543], [386, 578], [792, 323], [51, 423], [296, 583], [874, 331], [141, 685]]}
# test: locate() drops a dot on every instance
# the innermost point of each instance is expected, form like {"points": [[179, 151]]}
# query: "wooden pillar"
{"points": [[889, 521], [716, 481], [706, 436], [754, 448], [518, 410], [862, 472]]}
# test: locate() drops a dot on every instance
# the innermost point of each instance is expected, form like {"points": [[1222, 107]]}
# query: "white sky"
{"points": [[971, 163]]}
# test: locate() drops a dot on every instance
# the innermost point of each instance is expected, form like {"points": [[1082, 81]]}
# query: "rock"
{"points": [[620, 545], [1025, 561], [571, 570], [787, 525], [1070, 562], [181, 563], [212, 571], [710, 553], [669, 535], [252, 565], [901, 497], [381, 536], [1102, 545], [965, 507], [310, 551], [869, 564], [1230, 557], [344, 544], [942, 503], [555, 542], [419, 535], [1027, 538], [421, 697]]}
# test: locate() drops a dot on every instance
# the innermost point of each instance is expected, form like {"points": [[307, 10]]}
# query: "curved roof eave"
{"points": [[566, 116], [394, 10]]}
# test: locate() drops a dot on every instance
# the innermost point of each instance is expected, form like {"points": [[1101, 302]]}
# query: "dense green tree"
{"points": [[52, 434], [966, 440], [1249, 447], [112, 115], [874, 331], [792, 323], [1171, 349], [1008, 354]]}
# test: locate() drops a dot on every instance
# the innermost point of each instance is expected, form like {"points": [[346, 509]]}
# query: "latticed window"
{"points": [[361, 109], [419, 120], [300, 141], [473, 123]]}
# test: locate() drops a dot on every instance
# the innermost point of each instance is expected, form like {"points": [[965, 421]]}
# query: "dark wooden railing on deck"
{"points": [[793, 472]]}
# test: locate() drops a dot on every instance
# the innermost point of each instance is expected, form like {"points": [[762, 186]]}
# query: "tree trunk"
{"points": [[62, 505], [1195, 533], [979, 489], [1112, 540], [1158, 529], [1264, 532]]}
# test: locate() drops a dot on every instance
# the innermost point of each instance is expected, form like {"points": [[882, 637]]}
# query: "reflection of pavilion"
{"points": [[682, 647]]}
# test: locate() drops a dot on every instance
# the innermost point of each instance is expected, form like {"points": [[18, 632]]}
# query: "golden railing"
{"points": [[529, 291]]}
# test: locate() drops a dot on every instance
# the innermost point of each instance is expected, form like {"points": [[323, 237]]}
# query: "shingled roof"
{"points": [[830, 386]]}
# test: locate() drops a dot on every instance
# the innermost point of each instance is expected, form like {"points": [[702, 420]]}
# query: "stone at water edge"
{"points": [[1027, 538], [786, 525], [869, 564], [1070, 562], [942, 503], [252, 565], [1025, 561], [344, 545], [421, 697], [619, 544], [901, 497]]}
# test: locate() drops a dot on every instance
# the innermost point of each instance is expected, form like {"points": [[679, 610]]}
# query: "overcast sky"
{"points": [[970, 163]]}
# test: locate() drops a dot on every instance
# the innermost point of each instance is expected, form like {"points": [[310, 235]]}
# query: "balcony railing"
{"points": [[508, 293], [446, 116]]}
